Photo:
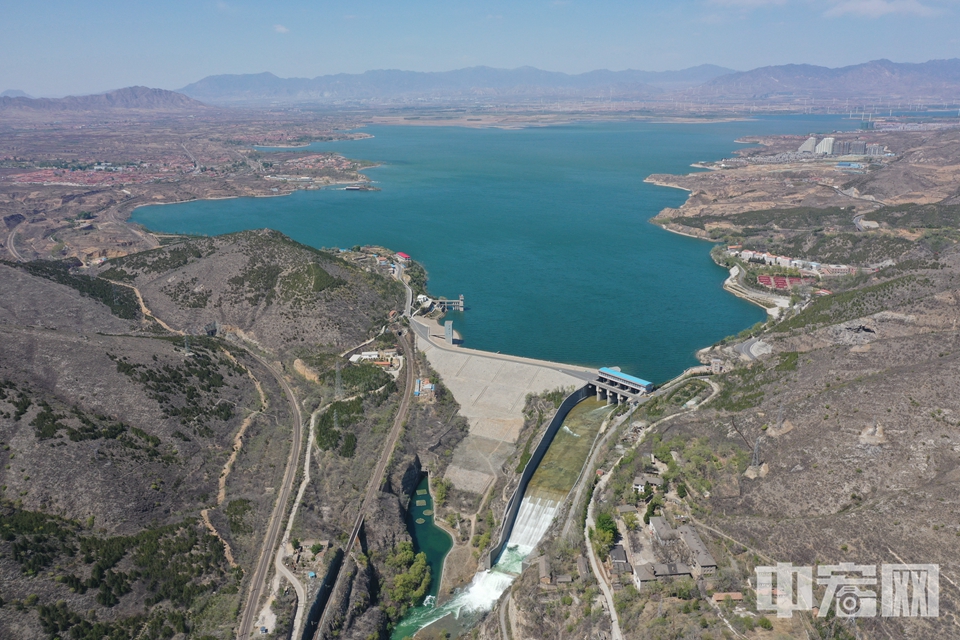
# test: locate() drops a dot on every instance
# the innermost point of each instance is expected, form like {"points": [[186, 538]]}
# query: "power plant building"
{"points": [[625, 380]]}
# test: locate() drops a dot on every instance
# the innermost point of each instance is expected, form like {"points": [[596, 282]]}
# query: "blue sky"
{"points": [[55, 48]]}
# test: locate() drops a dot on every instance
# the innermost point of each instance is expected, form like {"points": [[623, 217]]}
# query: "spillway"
{"points": [[548, 489]]}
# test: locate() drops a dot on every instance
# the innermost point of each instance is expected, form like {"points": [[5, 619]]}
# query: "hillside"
{"points": [[139, 98], [122, 512], [933, 81]]}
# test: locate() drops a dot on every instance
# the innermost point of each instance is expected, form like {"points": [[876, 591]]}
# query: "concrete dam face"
{"points": [[547, 488]]}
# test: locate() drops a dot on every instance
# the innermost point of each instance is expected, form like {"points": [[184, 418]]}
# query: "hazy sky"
{"points": [[53, 48]]}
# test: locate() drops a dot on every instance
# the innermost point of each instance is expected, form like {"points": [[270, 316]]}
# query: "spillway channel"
{"points": [[545, 494]]}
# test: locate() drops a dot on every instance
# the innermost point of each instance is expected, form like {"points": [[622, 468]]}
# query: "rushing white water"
{"points": [[537, 511], [567, 429], [533, 519]]}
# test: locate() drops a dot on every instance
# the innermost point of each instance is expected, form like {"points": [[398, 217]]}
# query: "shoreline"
{"points": [[526, 121], [214, 198], [729, 286], [360, 136]]}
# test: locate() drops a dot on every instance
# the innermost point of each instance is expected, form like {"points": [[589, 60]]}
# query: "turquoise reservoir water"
{"points": [[436, 543], [544, 231]]}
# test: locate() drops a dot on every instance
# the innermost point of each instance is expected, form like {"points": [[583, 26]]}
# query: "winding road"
{"points": [[11, 244], [276, 518]]}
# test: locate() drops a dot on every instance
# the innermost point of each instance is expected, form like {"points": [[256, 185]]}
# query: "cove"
{"points": [[544, 231]]}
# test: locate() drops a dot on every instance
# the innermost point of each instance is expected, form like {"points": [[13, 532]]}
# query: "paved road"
{"points": [[276, 518], [196, 165], [376, 480], [11, 244], [615, 632]]}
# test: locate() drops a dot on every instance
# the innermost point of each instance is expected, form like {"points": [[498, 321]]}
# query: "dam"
{"points": [[550, 476]]}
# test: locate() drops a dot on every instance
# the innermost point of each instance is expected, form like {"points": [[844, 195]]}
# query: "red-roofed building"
{"points": [[402, 257]]}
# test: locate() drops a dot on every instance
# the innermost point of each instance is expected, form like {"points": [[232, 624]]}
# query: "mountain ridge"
{"points": [[934, 79], [468, 82], [136, 97]]}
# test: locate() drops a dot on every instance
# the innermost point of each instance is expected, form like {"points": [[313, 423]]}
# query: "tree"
{"points": [[602, 542], [440, 489], [632, 521], [605, 522]]}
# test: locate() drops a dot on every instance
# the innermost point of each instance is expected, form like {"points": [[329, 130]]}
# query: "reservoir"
{"points": [[543, 230]]}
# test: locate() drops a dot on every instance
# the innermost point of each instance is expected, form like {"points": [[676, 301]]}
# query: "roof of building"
{"points": [[662, 528], [699, 550], [645, 478], [607, 371], [564, 579], [401, 254], [582, 567], [671, 569], [733, 595], [645, 573], [618, 554], [544, 567], [627, 508]]}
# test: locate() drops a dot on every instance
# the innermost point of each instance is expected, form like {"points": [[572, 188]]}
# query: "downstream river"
{"points": [[543, 230]]}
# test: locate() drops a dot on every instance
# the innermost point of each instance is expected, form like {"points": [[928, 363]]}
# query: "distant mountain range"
{"points": [[142, 98], [15, 93], [471, 83], [937, 80]]}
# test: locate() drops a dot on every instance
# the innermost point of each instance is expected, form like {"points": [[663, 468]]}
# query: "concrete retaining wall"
{"points": [[513, 507]]}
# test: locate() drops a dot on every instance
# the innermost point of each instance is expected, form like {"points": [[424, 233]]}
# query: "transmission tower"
{"points": [[756, 453], [186, 344], [780, 416]]}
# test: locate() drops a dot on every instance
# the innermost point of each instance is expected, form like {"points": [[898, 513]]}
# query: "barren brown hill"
{"points": [[277, 293], [122, 510], [142, 98]]}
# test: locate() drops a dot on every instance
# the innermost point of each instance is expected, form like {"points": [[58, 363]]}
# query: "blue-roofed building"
{"points": [[631, 381], [615, 386]]}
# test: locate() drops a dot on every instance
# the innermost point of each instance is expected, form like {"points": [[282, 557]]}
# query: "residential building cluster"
{"points": [[806, 267], [701, 561], [831, 146]]}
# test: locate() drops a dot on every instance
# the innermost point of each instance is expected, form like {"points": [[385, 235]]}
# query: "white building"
{"points": [[809, 146], [825, 147]]}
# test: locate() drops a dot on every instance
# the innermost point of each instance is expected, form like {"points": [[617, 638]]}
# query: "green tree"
{"points": [[602, 540]]}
